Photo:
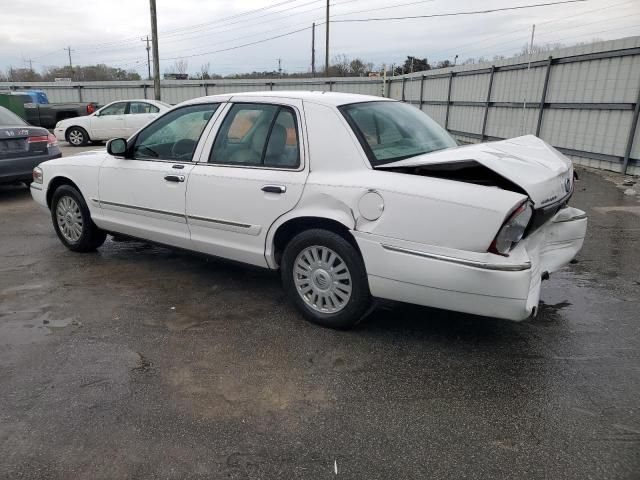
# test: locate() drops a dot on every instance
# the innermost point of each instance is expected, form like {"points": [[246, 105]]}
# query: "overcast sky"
{"points": [[101, 31]]}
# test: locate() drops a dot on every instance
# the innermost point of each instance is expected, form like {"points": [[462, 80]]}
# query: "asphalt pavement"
{"points": [[142, 362]]}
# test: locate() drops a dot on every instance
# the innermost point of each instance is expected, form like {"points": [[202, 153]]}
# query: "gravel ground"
{"points": [[142, 362]]}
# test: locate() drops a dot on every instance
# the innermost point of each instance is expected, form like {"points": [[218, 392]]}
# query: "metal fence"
{"points": [[583, 100], [176, 91]]}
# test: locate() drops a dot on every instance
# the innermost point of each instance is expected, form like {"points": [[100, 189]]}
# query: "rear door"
{"points": [[252, 170], [139, 114], [109, 122]]}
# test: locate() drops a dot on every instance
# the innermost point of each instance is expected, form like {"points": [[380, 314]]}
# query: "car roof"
{"points": [[321, 97]]}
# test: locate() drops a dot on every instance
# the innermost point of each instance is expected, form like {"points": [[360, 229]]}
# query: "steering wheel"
{"points": [[183, 148]]}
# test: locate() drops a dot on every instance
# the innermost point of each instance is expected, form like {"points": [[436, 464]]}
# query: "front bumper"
{"points": [[471, 282], [20, 169]]}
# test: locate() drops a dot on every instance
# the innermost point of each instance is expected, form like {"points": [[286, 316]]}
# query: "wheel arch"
{"points": [[67, 129], [281, 233], [57, 182]]}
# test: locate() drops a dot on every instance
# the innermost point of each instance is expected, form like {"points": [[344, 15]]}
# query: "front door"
{"points": [[143, 195], [251, 172], [108, 122]]}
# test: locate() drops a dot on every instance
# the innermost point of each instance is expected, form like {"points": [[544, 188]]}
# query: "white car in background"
{"points": [[351, 197], [118, 119]]}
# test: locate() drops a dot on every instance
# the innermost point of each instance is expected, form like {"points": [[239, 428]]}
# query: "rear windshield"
{"points": [[392, 131], [7, 117]]}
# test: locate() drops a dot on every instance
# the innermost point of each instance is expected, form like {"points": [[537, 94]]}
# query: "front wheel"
{"points": [[72, 221], [77, 136], [325, 277]]}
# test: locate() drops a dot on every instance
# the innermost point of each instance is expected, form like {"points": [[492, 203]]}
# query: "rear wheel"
{"points": [[77, 136], [72, 221], [325, 277]]}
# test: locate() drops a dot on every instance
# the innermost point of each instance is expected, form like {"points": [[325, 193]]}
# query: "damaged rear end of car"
{"points": [[469, 228]]}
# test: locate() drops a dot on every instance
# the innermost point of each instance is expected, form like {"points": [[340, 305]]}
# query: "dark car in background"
{"points": [[38, 110], [23, 147]]}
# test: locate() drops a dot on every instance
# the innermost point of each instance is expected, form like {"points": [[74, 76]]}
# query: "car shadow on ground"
{"points": [[14, 192]]}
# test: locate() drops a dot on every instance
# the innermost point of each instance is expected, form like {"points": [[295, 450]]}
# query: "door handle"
{"points": [[178, 166], [274, 188], [174, 178]]}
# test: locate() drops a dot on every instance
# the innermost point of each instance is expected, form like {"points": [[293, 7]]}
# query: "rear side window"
{"points": [[258, 135], [142, 107]]}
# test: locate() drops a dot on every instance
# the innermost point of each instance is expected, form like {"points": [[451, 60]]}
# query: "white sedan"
{"points": [[351, 197], [114, 120]]}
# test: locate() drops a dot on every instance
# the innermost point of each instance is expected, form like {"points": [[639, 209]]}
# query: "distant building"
{"points": [[176, 76]]}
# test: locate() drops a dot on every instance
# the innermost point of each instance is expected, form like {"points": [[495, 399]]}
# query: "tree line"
{"points": [[340, 66]]}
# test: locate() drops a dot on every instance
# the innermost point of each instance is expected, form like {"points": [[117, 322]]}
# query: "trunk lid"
{"points": [[530, 163], [22, 141]]}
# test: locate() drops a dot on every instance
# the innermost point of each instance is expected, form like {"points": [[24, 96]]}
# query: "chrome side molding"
{"points": [[504, 267]]}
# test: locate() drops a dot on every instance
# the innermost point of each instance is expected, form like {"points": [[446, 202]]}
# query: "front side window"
{"points": [[114, 109], [142, 107], [258, 135], [392, 131], [174, 136]]}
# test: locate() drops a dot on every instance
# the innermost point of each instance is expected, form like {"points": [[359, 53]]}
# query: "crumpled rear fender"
{"points": [[313, 204]]}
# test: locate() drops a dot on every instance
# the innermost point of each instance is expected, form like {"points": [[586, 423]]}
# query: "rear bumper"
{"points": [[19, 169], [472, 282]]}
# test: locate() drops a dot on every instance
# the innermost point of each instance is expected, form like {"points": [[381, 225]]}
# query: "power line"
{"points": [[250, 12], [453, 14], [134, 39], [188, 36], [493, 45], [484, 39], [382, 8], [239, 46]]}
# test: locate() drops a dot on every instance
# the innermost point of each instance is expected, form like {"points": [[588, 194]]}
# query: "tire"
{"points": [[72, 221], [77, 137], [322, 294]]}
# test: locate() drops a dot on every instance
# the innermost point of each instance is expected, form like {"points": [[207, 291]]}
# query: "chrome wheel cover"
{"points": [[69, 219], [76, 137], [322, 279]]}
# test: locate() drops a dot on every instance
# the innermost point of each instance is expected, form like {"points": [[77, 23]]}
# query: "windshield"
{"points": [[392, 131], [7, 117]]}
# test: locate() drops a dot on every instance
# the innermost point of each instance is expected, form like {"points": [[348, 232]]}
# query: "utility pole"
{"points": [[279, 67], [68, 49], [326, 47], [313, 50], [148, 58], [156, 55], [526, 85]]}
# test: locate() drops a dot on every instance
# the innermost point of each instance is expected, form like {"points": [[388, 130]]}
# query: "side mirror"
{"points": [[117, 147]]}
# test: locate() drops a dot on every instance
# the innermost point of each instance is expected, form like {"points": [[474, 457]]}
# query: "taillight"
{"points": [[512, 230], [91, 108], [52, 141], [38, 138]]}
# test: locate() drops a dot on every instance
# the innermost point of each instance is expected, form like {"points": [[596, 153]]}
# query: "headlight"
{"points": [[512, 231], [37, 175]]}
